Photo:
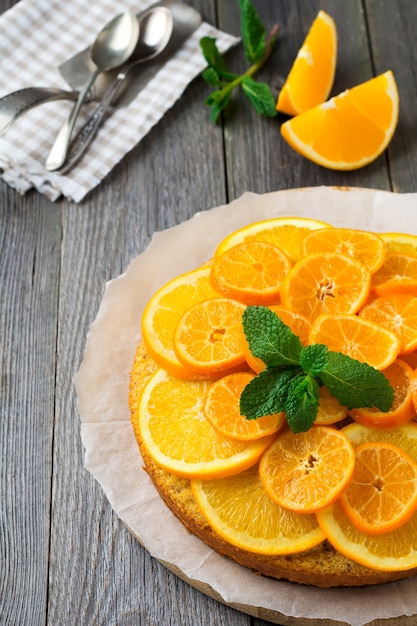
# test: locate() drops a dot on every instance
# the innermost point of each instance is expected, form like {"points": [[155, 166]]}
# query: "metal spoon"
{"points": [[156, 25], [112, 47]]}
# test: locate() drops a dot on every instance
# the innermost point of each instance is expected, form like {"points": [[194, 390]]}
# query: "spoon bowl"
{"points": [[116, 42], [156, 25], [112, 48]]}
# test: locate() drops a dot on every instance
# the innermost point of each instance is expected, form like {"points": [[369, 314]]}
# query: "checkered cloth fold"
{"points": [[36, 37]]}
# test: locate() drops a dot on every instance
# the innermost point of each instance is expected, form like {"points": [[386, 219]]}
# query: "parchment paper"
{"points": [[111, 453]]}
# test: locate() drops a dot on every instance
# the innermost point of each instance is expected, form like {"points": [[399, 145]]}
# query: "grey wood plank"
{"points": [[30, 234], [392, 41], [258, 159]]}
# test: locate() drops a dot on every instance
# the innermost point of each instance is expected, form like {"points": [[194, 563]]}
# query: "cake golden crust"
{"points": [[321, 566]]}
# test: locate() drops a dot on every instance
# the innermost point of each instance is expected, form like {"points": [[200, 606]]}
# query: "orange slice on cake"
{"points": [[306, 472], [251, 272], [395, 550], [358, 338], [222, 409], [207, 339], [325, 283], [171, 425], [382, 493], [285, 232], [241, 512], [163, 312]]}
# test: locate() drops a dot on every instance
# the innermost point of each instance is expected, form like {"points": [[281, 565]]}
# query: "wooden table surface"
{"points": [[66, 559]]}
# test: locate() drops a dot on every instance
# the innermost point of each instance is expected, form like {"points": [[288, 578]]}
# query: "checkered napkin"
{"points": [[36, 37]]}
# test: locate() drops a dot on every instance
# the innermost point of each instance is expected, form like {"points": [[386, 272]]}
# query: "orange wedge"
{"points": [[207, 339], [285, 232], [250, 272], [221, 408], [395, 550], [358, 338], [382, 493], [305, 472], [399, 375], [240, 511], [349, 130], [163, 313], [397, 313], [311, 76], [397, 275], [175, 433], [325, 283], [365, 247]]}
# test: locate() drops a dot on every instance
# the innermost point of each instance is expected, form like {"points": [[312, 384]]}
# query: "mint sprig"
{"points": [[294, 374], [257, 48]]}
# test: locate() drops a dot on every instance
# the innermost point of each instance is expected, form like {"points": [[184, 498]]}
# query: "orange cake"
{"points": [[287, 493]]}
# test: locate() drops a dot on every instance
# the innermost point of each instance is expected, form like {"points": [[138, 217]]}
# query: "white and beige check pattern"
{"points": [[36, 36]]}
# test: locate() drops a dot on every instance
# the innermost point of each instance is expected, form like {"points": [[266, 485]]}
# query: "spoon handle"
{"points": [[14, 104], [81, 142], [58, 153]]}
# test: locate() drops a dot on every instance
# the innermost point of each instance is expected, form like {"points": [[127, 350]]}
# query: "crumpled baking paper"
{"points": [[111, 452]]}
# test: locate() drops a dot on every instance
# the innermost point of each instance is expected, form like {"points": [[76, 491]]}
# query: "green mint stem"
{"points": [[256, 66]]}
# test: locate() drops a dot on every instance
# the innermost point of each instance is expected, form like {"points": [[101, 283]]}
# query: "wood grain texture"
{"points": [[65, 557]]}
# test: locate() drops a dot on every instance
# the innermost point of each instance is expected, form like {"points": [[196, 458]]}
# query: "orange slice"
{"points": [[358, 338], [311, 76], [325, 283], [413, 387], [299, 325], [163, 313], [400, 242], [399, 375], [241, 512], [395, 550], [306, 472], [405, 436], [250, 272], [382, 493], [284, 232], [207, 339], [330, 410], [349, 130], [398, 275], [397, 313], [365, 247], [221, 408], [392, 551], [174, 431]]}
